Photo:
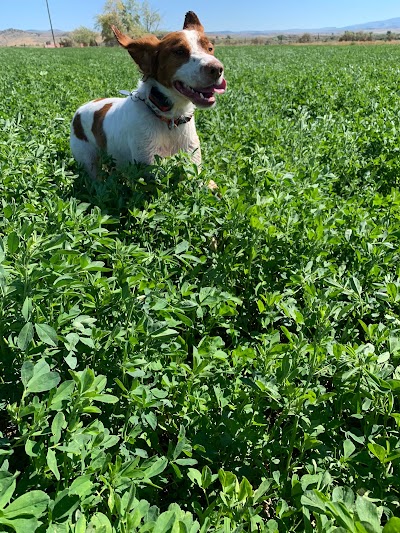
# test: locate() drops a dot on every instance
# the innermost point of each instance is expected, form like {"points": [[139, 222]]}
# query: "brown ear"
{"points": [[192, 22], [143, 51]]}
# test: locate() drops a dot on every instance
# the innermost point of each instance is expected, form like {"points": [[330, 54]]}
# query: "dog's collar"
{"points": [[157, 102]]}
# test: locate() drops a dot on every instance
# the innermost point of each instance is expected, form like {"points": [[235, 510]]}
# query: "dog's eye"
{"points": [[180, 51], [210, 49]]}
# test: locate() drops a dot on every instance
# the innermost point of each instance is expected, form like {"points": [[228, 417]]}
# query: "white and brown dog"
{"points": [[180, 73]]}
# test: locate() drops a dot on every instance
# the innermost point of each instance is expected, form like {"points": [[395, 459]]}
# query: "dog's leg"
{"points": [[85, 154]]}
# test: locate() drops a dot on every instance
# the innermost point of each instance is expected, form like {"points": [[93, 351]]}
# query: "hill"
{"points": [[14, 37], [376, 26]]}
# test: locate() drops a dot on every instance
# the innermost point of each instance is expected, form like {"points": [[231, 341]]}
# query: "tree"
{"points": [[130, 16], [84, 36], [150, 18], [124, 15], [66, 42], [305, 38]]}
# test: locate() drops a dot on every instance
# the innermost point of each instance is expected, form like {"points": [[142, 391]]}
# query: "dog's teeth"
{"points": [[188, 87]]}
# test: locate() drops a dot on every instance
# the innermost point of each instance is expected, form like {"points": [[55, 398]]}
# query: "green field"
{"points": [[178, 360]]}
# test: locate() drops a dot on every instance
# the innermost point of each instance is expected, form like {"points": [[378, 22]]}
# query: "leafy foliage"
{"points": [[130, 16], [178, 360]]}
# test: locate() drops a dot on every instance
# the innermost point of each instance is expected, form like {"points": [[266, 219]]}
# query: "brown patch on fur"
{"points": [[98, 99], [192, 22], [78, 128], [97, 126], [206, 45], [143, 51], [173, 52]]}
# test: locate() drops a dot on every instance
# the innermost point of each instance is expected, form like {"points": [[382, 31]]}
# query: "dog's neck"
{"points": [[165, 102], [160, 100]]}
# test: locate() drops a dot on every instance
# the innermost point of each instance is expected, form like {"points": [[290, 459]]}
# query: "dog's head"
{"points": [[183, 61]]}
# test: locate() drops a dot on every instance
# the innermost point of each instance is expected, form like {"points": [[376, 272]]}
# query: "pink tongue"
{"points": [[219, 89]]}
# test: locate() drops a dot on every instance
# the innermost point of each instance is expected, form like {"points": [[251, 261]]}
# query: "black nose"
{"points": [[216, 71]]}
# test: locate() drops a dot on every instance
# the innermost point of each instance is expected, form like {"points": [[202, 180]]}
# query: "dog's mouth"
{"points": [[201, 97]]}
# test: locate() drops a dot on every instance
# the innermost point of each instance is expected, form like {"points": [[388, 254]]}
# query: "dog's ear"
{"points": [[143, 51], [192, 22]]}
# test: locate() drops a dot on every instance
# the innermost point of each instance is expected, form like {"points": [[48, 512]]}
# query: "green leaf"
{"points": [[42, 379], [27, 370], [100, 524], [59, 423], [12, 242], [25, 336], [46, 334], [207, 477], [7, 487], [156, 468], [245, 490], [7, 210], [52, 463], [151, 419], [368, 513], [85, 379], [105, 398], [348, 448], [27, 309], [355, 285], [261, 490], [62, 394], [183, 246], [64, 505], [186, 462], [378, 451], [80, 526], [140, 511], [195, 476], [167, 332], [81, 486], [33, 503], [341, 513], [314, 501], [164, 522], [228, 481], [393, 526], [21, 525]]}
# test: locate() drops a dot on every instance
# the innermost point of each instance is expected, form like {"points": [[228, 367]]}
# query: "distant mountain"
{"points": [[380, 25], [389, 24], [44, 31], [13, 37]]}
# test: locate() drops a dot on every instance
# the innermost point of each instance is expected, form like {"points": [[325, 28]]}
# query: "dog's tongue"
{"points": [[221, 88], [211, 89]]}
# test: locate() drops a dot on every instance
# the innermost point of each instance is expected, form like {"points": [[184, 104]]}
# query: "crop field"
{"points": [[177, 360]]}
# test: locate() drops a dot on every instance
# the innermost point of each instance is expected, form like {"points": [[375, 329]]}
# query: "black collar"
{"points": [[164, 104], [160, 100]]}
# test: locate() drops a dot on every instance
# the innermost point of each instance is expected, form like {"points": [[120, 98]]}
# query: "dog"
{"points": [[180, 73]]}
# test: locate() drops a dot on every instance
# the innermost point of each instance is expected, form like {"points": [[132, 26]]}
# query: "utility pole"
{"points": [[51, 25]]}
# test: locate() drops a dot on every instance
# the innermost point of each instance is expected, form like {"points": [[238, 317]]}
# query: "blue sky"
{"points": [[216, 15]]}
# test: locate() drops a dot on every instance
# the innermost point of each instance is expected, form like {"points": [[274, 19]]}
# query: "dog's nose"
{"points": [[215, 69]]}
